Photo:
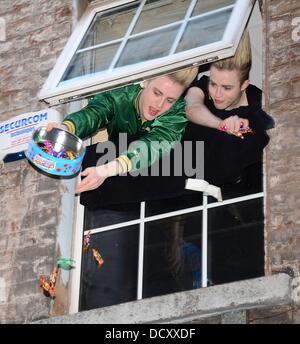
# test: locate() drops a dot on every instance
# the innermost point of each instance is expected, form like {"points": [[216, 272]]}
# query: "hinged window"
{"points": [[121, 42]]}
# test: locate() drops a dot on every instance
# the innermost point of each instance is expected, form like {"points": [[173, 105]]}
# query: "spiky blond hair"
{"points": [[185, 77], [241, 61]]}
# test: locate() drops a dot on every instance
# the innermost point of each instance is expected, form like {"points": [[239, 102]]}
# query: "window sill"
{"points": [[189, 306]]}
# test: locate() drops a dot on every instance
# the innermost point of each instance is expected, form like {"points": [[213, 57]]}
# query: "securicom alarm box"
{"points": [[16, 132]]}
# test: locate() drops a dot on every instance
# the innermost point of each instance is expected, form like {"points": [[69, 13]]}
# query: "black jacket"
{"points": [[229, 162]]}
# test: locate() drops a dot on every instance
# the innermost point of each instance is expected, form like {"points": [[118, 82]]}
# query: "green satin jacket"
{"points": [[116, 111]]}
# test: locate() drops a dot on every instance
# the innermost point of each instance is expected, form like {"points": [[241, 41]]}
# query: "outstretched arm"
{"points": [[95, 176], [197, 112]]}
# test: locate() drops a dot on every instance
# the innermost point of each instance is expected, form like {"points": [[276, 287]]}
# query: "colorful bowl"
{"points": [[56, 152]]}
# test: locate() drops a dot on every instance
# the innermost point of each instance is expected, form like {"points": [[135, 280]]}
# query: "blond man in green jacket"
{"points": [[155, 110]]}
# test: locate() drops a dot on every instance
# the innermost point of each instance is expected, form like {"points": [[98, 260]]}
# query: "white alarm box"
{"points": [[16, 132]]}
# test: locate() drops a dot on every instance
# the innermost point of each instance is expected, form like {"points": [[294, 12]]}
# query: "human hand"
{"points": [[94, 177], [234, 124], [52, 125]]}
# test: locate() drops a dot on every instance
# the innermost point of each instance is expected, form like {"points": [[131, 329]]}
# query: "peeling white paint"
{"points": [[296, 290], [66, 223], [296, 30], [2, 30], [3, 296]]}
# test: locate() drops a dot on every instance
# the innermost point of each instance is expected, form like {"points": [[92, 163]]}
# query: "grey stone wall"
{"points": [[35, 33], [282, 95]]}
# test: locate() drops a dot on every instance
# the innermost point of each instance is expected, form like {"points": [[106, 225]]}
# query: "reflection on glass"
{"points": [[91, 61], [161, 13], [204, 6], [108, 29], [116, 281], [236, 241], [172, 256], [148, 47], [249, 182], [109, 25], [100, 217], [190, 199], [204, 30]]}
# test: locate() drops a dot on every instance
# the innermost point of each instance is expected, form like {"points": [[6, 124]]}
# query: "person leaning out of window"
{"points": [[226, 100], [153, 109]]}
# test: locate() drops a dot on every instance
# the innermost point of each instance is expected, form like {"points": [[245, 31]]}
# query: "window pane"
{"points": [[109, 216], [236, 241], [116, 281], [109, 25], [204, 6], [172, 256], [191, 199], [161, 13], [146, 40], [204, 30], [151, 46], [250, 182], [91, 61]]}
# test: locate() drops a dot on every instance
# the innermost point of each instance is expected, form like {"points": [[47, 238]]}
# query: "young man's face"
{"points": [[158, 96], [225, 88]]}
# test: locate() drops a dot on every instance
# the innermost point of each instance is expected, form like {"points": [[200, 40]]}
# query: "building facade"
{"points": [[34, 231]]}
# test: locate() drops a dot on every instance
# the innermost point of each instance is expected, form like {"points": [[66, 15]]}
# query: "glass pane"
{"points": [[148, 47], [158, 13], [147, 52], [109, 216], [204, 30], [191, 199], [116, 281], [236, 241], [90, 62], [109, 25], [250, 182], [172, 256], [204, 6]]}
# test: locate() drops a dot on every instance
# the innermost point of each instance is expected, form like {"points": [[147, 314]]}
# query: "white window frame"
{"points": [[141, 221], [79, 218], [54, 94]]}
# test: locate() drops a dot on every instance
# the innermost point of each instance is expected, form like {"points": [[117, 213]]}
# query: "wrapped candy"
{"points": [[70, 155], [98, 258], [65, 263], [48, 290], [53, 276], [242, 131], [48, 148], [49, 286], [86, 242]]}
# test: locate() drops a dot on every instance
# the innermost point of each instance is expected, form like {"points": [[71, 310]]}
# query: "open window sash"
{"points": [[197, 35]]}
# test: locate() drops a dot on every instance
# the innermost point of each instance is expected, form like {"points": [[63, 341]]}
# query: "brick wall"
{"points": [[32, 36], [282, 91], [35, 33]]}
